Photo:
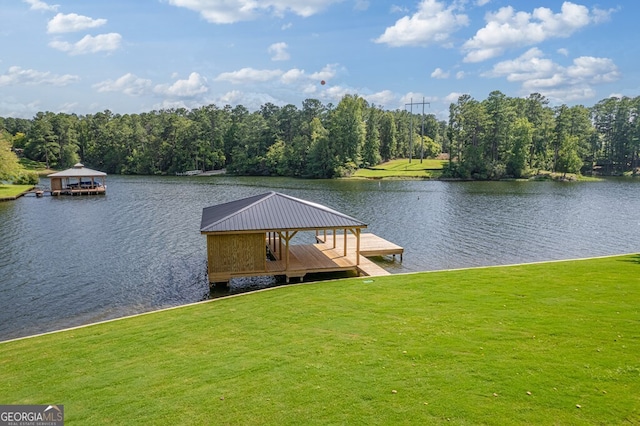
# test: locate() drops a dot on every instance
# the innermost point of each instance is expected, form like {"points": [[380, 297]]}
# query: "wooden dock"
{"points": [[253, 237], [371, 245], [327, 257], [93, 190]]}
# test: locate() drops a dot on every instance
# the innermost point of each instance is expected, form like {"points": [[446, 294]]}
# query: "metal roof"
{"points": [[273, 211], [78, 170]]}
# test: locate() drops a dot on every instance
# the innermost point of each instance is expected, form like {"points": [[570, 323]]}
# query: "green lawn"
{"points": [[35, 166], [553, 343], [12, 191], [426, 169]]}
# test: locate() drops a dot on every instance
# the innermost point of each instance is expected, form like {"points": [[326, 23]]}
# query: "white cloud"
{"points": [[62, 23], [18, 76], [460, 75], [361, 5], [383, 98], [433, 23], [507, 28], [529, 66], [231, 11], [249, 75], [129, 84], [231, 98], [310, 81], [538, 74], [293, 76], [309, 89], [336, 93], [416, 97], [326, 73], [40, 5], [68, 107], [439, 74], [452, 97], [251, 100], [11, 107], [398, 9], [193, 86], [563, 51], [482, 2], [89, 44], [600, 15], [279, 52], [593, 70]]}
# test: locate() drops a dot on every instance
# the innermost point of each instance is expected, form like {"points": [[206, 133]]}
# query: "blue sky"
{"points": [[135, 56]]}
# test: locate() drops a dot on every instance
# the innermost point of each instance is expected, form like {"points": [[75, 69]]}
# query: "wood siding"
{"points": [[56, 184], [236, 253]]}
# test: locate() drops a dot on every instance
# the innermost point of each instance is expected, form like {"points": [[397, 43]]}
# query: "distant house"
{"points": [[78, 180]]}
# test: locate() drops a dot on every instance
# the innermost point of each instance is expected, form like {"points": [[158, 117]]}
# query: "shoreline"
{"points": [[15, 197], [301, 284]]}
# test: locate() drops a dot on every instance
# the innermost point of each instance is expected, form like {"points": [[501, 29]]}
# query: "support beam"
{"points": [[345, 241], [288, 235], [358, 230]]}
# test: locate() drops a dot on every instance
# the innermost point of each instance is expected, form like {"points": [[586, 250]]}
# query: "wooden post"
{"points": [[345, 242], [358, 246], [287, 237], [286, 242]]}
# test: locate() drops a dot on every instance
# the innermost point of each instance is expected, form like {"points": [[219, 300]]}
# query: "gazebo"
{"points": [[252, 237], [78, 180]]}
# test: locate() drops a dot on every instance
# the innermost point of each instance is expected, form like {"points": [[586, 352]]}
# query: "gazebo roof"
{"points": [[273, 211], [78, 170]]}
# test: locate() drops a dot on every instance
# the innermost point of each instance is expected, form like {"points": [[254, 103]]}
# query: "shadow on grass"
{"points": [[632, 259]]}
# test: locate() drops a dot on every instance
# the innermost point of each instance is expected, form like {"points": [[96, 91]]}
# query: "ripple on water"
{"points": [[69, 261]]}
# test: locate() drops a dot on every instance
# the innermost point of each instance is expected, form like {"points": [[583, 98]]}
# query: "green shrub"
{"points": [[27, 178]]}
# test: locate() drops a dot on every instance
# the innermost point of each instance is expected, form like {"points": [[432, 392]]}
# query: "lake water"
{"points": [[66, 261]]}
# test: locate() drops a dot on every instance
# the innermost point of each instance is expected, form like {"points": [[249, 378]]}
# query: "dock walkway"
{"points": [[325, 257], [371, 245]]}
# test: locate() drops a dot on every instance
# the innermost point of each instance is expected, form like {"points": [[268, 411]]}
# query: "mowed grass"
{"points": [[544, 344], [427, 169], [12, 191]]}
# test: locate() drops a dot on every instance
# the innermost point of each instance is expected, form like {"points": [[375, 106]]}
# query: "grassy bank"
{"points": [[402, 169], [11, 192], [36, 166], [554, 343]]}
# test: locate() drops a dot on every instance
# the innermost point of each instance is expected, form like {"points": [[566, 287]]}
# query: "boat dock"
{"points": [[371, 245], [239, 232], [79, 190], [329, 257]]}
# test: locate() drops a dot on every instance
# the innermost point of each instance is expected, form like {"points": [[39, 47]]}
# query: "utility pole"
{"points": [[423, 103], [410, 129]]}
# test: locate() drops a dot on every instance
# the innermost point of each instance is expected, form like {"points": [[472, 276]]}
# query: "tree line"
{"points": [[494, 138], [518, 137]]}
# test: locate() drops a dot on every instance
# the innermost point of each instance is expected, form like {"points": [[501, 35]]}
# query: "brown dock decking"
{"points": [[324, 257], [96, 190], [371, 245]]}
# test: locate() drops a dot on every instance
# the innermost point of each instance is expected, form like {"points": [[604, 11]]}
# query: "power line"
{"points": [[411, 103]]}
